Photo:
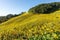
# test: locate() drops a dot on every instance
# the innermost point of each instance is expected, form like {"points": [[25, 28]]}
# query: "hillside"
{"points": [[32, 26], [41, 22]]}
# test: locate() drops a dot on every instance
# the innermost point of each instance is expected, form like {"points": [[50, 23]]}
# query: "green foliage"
{"points": [[45, 8], [5, 18], [9, 16]]}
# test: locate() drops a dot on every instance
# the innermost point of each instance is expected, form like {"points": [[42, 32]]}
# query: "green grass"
{"points": [[32, 27]]}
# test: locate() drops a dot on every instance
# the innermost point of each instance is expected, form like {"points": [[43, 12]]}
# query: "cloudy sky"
{"points": [[18, 6]]}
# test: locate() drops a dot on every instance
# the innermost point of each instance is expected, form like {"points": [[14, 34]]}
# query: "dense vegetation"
{"points": [[45, 8], [32, 27]]}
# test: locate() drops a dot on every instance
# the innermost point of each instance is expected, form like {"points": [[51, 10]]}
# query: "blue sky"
{"points": [[18, 6]]}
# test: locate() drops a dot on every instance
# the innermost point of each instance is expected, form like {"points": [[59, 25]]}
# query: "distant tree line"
{"points": [[45, 8], [9, 16], [5, 18]]}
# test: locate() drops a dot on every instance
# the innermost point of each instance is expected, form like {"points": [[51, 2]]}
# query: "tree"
{"points": [[9, 16], [45, 8]]}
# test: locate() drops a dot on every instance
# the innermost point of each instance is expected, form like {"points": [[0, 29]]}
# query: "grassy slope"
{"points": [[32, 23]]}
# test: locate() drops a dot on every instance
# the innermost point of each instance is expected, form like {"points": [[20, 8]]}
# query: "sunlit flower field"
{"points": [[32, 27]]}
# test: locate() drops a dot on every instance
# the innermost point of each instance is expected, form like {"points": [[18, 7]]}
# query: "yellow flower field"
{"points": [[32, 27]]}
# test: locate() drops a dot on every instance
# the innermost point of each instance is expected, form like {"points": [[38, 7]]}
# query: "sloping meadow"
{"points": [[32, 27]]}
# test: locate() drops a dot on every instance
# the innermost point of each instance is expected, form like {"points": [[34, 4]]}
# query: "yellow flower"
{"points": [[47, 29], [55, 36], [29, 30], [51, 30], [42, 27]]}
